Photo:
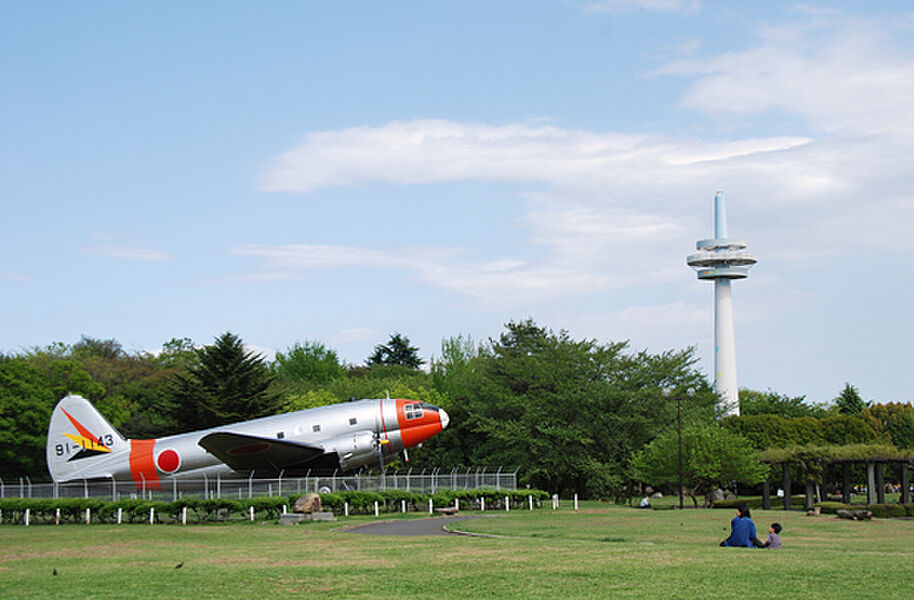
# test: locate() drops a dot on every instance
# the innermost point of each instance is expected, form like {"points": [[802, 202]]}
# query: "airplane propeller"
{"points": [[381, 444]]}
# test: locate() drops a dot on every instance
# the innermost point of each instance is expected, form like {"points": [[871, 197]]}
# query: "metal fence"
{"points": [[426, 482]]}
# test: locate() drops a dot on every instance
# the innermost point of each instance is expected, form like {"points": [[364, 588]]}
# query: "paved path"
{"points": [[430, 526]]}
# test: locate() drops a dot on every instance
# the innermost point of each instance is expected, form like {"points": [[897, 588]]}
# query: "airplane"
{"points": [[83, 445]]}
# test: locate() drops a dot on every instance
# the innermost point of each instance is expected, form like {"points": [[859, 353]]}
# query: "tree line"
{"points": [[574, 415]]}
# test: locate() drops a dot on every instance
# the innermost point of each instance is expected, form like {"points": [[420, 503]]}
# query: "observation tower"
{"points": [[722, 260]]}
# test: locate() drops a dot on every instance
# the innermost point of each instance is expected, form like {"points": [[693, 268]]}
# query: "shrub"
{"points": [[885, 511]]}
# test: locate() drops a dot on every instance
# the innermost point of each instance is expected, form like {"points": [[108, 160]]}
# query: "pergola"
{"points": [[814, 459]]}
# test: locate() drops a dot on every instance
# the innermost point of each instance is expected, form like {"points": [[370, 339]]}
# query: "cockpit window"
{"points": [[413, 411]]}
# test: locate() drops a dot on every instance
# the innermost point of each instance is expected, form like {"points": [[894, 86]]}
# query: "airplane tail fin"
{"points": [[81, 442]]}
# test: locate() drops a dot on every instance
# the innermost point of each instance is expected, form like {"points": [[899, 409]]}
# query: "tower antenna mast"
{"points": [[722, 260]]}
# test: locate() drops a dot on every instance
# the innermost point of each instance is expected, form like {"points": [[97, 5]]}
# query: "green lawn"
{"points": [[601, 551]]}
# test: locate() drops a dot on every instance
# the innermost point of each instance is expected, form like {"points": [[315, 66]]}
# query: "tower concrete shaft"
{"points": [[722, 259]]}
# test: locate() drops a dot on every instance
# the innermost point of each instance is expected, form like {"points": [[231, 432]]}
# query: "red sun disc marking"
{"points": [[168, 461]]}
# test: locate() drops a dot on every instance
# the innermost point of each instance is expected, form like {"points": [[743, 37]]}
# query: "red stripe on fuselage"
{"points": [[142, 465]]}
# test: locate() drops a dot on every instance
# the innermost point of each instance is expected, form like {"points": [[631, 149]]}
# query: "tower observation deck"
{"points": [[722, 260]]}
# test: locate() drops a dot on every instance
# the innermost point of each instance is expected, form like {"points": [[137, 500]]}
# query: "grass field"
{"points": [[600, 551]]}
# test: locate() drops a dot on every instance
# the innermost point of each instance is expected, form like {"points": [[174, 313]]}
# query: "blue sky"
{"points": [[295, 171]]}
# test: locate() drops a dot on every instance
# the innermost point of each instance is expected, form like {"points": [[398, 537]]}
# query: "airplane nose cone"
{"points": [[445, 419]]}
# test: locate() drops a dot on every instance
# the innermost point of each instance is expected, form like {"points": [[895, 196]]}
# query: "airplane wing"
{"points": [[252, 453]]}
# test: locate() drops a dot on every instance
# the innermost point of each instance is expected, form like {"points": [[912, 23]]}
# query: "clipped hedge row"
{"points": [[756, 502], [73, 510], [882, 511]]}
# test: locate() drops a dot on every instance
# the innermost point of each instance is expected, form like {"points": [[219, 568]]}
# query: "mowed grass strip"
{"points": [[600, 551]]}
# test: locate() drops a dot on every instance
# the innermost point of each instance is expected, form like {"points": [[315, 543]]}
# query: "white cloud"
{"points": [[128, 252], [620, 6], [609, 209], [842, 75], [435, 151]]}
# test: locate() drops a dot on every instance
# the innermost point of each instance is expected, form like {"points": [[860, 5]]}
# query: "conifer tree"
{"points": [[224, 384]]}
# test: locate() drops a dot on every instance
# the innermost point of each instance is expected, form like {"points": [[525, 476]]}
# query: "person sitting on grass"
{"points": [[742, 530], [774, 540]]}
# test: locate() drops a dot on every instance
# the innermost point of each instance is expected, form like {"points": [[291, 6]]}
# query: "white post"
{"points": [[57, 517], [284, 509], [120, 513], [482, 506], [575, 501], [184, 516], [555, 501], [530, 498], [346, 509], [27, 517], [431, 507], [457, 504], [507, 504], [376, 513], [403, 506], [251, 510], [88, 516], [152, 515]]}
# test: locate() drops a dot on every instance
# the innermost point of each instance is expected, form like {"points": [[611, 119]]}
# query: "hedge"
{"points": [[73, 510], [756, 502], [882, 511]]}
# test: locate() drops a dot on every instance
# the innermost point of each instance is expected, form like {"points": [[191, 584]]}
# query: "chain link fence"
{"points": [[174, 488]]}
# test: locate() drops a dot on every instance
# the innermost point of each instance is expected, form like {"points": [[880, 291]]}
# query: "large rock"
{"points": [[308, 504], [856, 515]]}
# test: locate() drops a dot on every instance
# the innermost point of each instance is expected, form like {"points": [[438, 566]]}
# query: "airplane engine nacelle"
{"points": [[354, 449]]}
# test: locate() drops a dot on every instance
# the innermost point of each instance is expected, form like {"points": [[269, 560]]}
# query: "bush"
{"points": [[885, 511], [43, 510], [796, 500]]}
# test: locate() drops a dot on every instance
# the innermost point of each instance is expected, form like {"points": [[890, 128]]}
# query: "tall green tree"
{"points": [[895, 419], [397, 351], [310, 363], [849, 401], [752, 402], [712, 457], [26, 401], [567, 412], [225, 384]]}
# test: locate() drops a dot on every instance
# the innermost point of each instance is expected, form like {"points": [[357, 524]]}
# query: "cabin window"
{"points": [[413, 411], [316, 428], [353, 421], [281, 435]]}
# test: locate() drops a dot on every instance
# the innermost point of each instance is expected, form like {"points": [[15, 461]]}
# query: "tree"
{"points": [[225, 384], [568, 412], [397, 351], [849, 401], [712, 457], [26, 401], [310, 363], [177, 352], [895, 419], [770, 403], [92, 347]]}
